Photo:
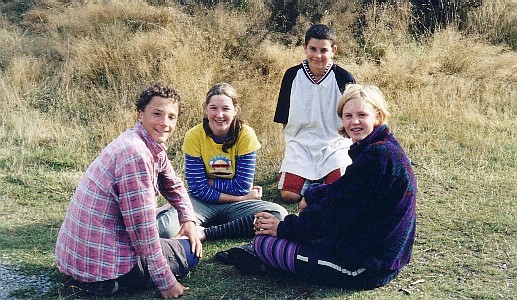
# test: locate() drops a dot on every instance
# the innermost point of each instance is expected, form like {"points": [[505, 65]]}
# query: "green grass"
{"points": [[465, 246]]}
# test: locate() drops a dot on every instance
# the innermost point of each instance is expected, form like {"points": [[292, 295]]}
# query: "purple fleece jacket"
{"points": [[368, 215]]}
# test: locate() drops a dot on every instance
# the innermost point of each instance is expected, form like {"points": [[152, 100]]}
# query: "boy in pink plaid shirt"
{"points": [[109, 239]]}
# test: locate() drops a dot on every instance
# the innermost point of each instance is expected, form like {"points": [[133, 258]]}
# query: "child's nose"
{"points": [[165, 121]]}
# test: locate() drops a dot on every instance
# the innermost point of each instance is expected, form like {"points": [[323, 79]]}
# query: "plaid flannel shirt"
{"points": [[111, 220]]}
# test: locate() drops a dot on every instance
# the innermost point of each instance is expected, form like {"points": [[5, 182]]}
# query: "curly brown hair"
{"points": [[160, 89]]}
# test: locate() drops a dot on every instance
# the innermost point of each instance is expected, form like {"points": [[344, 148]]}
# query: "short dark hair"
{"points": [[160, 89], [321, 32]]}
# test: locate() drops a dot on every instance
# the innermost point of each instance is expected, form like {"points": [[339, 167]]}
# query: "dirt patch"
{"points": [[14, 280]]}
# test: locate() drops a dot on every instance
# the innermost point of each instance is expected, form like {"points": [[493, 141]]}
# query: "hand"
{"points": [[255, 193], [191, 231], [302, 205], [266, 223], [175, 291]]}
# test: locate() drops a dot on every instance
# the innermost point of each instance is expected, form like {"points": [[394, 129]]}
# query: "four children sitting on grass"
{"points": [[355, 229]]}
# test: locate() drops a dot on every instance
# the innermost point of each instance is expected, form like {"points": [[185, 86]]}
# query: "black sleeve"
{"points": [[343, 77], [284, 97]]}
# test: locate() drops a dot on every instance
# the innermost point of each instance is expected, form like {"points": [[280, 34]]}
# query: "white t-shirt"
{"points": [[314, 148]]}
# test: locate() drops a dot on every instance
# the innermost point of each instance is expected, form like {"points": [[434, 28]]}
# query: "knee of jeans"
{"points": [[283, 213], [166, 227], [280, 213], [161, 230]]}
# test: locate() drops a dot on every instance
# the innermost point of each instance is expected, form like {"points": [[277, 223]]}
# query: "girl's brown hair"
{"points": [[236, 125]]}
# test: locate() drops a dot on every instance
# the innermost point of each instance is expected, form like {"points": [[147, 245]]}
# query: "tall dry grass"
{"points": [[98, 54], [496, 21], [86, 61], [105, 53]]}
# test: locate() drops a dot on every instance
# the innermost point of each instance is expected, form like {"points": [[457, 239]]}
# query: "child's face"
{"points": [[159, 118], [319, 53], [359, 118], [220, 112]]}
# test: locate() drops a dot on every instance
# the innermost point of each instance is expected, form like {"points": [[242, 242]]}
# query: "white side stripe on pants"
{"points": [[302, 258], [333, 266]]}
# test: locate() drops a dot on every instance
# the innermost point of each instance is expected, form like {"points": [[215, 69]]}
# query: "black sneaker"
{"points": [[222, 256], [244, 259], [74, 288], [102, 288]]}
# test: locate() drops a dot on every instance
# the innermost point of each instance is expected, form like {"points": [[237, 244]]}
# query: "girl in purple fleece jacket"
{"points": [[357, 232]]}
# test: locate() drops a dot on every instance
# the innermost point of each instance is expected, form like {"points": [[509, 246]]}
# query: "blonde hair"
{"points": [[369, 93]]}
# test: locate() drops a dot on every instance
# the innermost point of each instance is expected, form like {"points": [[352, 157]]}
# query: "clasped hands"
{"points": [[267, 223]]}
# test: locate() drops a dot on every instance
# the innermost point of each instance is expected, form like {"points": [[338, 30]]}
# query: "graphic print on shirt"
{"points": [[221, 166]]}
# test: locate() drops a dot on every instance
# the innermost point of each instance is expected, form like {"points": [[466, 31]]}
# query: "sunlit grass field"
{"points": [[70, 71]]}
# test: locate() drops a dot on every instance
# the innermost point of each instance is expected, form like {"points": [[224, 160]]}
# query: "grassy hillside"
{"points": [[70, 70]]}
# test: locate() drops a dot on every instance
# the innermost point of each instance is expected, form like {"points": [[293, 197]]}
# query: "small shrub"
{"points": [[432, 15], [496, 21]]}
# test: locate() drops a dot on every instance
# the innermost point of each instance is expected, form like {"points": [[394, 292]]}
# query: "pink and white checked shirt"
{"points": [[111, 220]]}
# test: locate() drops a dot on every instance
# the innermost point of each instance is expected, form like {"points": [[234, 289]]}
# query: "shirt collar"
{"points": [[377, 134], [155, 147], [311, 76]]}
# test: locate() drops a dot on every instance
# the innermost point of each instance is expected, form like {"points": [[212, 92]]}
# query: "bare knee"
{"points": [[290, 197]]}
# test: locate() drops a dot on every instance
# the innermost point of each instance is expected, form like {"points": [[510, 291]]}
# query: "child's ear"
{"points": [[378, 119]]}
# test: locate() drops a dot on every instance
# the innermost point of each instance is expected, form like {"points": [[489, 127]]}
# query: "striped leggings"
{"points": [[313, 262]]}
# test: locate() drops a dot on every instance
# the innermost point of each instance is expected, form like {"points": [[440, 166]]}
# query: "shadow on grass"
{"points": [[212, 280], [27, 255]]}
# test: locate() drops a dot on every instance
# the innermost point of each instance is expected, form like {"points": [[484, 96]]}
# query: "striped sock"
{"points": [[278, 253], [238, 228]]}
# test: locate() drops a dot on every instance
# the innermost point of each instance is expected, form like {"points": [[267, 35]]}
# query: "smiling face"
{"points": [[359, 118], [220, 111], [319, 53], [159, 118]]}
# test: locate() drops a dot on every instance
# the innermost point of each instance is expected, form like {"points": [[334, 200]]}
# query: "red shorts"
{"points": [[297, 184]]}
